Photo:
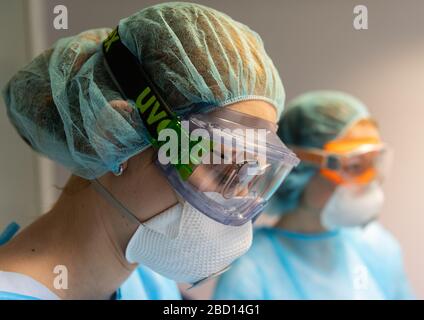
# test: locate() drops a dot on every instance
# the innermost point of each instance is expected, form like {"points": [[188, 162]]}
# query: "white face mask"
{"points": [[352, 205], [185, 245]]}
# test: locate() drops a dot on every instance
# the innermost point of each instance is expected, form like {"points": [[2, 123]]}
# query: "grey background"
{"points": [[19, 196], [315, 46]]}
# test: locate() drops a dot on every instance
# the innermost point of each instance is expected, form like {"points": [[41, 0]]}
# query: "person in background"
{"points": [[127, 224], [327, 243]]}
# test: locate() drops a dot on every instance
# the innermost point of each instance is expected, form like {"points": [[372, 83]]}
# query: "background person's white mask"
{"points": [[352, 205], [185, 245]]}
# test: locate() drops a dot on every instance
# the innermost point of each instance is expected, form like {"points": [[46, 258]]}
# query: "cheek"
{"points": [[318, 191], [155, 194], [143, 188]]}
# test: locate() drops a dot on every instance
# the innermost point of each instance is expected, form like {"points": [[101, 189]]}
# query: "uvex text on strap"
{"points": [[135, 84]]}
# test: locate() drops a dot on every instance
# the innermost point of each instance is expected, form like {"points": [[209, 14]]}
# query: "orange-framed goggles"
{"points": [[359, 161]]}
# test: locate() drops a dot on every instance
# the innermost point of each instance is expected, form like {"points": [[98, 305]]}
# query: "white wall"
{"points": [[315, 46]]}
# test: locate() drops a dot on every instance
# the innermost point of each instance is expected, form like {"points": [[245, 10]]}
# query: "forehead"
{"points": [[256, 108], [362, 129], [361, 132]]}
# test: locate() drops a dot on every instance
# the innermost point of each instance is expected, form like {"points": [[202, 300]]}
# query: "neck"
{"points": [[303, 220], [84, 234]]}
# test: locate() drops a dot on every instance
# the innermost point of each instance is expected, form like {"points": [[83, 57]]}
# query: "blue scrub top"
{"points": [[354, 263], [143, 283]]}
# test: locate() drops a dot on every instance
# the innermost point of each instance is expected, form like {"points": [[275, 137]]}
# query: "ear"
{"points": [[122, 168]]}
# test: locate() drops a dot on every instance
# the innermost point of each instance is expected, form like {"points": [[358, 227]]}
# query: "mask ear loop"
{"points": [[113, 201]]}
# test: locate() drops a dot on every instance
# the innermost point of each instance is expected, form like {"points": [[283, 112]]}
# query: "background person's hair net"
{"points": [[311, 120], [65, 105]]}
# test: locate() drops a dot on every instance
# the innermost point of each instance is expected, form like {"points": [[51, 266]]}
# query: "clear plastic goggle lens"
{"points": [[237, 188]]}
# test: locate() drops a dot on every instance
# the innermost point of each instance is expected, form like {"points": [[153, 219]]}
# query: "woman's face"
{"points": [[144, 190], [320, 189]]}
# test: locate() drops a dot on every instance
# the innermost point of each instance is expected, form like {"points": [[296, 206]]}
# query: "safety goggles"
{"points": [[358, 162], [226, 164], [234, 180]]}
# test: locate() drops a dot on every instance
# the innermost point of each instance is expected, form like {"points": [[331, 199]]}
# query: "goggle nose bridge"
{"points": [[333, 162]]}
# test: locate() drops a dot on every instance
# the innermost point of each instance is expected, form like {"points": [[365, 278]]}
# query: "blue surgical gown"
{"points": [[354, 263], [143, 283]]}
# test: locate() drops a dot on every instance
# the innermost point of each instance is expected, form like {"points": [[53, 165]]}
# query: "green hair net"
{"points": [[311, 120], [65, 105]]}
